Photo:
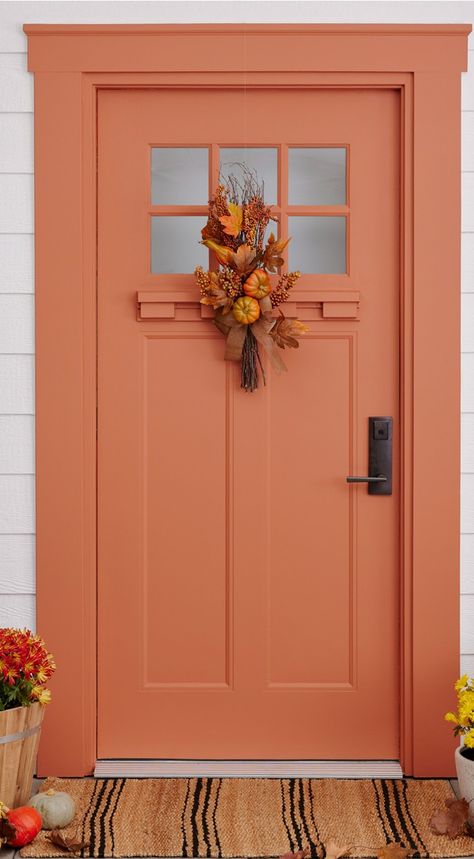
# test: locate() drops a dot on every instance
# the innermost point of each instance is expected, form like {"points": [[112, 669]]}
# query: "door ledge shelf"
{"points": [[247, 769], [314, 304]]}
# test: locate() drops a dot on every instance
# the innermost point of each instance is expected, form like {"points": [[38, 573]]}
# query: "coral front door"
{"points": [[248, 595]]}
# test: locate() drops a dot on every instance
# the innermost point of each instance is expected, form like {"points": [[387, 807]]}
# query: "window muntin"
{"points": [[306, 186]]}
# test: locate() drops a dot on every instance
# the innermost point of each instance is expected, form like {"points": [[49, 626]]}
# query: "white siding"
{"points": [[16, 203], [17, 584], [467, 252], [468, 198], [18, 563], [17, 509], [17, 261], [17, 444], [16, 85], [16, 385], [468, 78], [467, 382], [16, 143], [17, 610], [467, 322], [467, 447], [17, 323]]}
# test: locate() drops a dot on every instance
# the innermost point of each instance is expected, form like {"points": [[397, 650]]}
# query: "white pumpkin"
{"points": [[57, 808]]}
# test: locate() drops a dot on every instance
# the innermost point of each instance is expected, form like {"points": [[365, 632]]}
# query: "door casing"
{"points": [[71, 64]]}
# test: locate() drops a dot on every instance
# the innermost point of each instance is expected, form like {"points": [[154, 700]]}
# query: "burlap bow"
{"points": [[235, 333]]}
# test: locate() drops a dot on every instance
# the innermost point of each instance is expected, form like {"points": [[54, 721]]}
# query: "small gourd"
{"points": [[257, 284], [19, 825], [57, 808], [246, 310]]}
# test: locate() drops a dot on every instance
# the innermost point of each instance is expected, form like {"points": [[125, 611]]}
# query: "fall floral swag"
{"points": [[240, 290]]}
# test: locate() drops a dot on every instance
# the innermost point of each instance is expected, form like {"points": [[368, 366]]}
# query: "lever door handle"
{"points": [[380, 479]]}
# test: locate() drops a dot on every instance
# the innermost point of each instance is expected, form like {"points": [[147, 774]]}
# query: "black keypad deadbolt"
{"points": [[379, 478]]}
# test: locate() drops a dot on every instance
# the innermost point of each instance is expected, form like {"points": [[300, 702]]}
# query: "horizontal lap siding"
{"points": [[17, 559], [17, 515]]}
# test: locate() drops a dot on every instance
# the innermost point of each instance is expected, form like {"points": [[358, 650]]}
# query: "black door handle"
{"points": [[379, 478]]}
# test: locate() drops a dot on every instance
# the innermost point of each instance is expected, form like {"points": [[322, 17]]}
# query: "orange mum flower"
{"points": [[25, 665]]}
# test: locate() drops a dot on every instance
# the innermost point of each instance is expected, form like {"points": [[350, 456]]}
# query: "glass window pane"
{"points": [[316, 177], [318, 244], [179, 176], [175, 247], [263, 161]]}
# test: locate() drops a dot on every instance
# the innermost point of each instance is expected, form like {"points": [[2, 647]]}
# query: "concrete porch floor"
{"points": [[9, 853]]}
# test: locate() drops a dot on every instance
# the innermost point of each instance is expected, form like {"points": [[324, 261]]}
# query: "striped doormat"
{"points": [[252, 817]]}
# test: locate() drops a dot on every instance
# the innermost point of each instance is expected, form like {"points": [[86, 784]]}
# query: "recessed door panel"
{"points": [[185, 451], [310, 551]]}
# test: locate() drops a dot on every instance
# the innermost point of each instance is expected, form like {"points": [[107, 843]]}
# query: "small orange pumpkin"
{"points": [[23, 823], [246, 310], [257, 284]]}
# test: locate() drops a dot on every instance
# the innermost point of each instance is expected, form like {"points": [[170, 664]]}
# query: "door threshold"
{"points": [[246, 769]]}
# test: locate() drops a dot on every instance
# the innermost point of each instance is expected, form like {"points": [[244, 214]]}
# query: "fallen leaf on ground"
{"points": [[392, 851], [334, 851], [452, 820], [71, 843]]}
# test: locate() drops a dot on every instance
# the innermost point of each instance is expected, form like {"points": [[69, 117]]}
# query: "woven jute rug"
{"points": [[239, 817]]}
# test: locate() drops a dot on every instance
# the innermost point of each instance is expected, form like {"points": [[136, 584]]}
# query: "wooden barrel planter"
{"points": [[20, 730]]}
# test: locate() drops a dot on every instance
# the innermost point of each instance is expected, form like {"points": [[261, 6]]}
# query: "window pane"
{"points": [[318, 245], [179, 176], [316, 177], [175, 247], [263, 161]]}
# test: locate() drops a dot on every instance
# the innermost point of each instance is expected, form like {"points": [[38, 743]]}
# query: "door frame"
{"points": [[71, 64]]}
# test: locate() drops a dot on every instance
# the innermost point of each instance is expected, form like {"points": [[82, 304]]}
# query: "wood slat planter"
{"points": [[20, 730]]}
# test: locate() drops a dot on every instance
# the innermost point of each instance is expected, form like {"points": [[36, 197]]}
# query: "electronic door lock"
{"points": [[379, 479]]}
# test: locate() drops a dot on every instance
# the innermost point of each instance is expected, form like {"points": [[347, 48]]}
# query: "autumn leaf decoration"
{"points": [[452, 820], [69, 843], [240, 291], [232, 223]]}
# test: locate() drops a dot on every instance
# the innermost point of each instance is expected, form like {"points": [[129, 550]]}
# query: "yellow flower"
{"points": [[461, 683], [466, 705], [39, 693], [43, 673], [450, 717], [469, 739]]}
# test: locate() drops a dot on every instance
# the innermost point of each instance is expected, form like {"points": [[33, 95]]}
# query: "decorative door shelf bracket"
{"points": [[317, 304]]}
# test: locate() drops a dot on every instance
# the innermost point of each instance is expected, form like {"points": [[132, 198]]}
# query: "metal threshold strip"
{"points": [[246, 769]]}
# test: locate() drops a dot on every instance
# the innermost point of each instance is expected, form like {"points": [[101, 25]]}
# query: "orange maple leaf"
{"points": [[232, 223]]}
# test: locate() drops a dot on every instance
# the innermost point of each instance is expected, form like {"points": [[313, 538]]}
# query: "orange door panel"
{"points": [[248, 596]]}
